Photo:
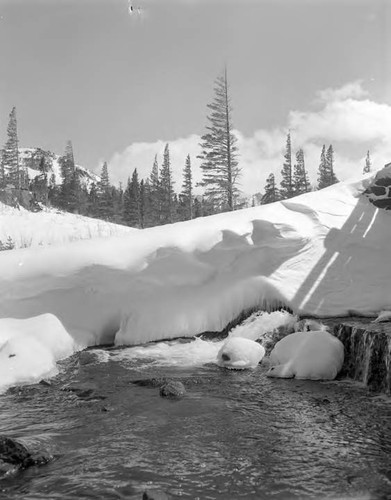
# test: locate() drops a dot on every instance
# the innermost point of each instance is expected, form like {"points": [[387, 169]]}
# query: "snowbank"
{"points": [[52, 227], [324, 253], [29, 349]]}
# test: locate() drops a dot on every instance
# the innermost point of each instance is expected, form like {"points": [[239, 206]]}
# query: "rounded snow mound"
{"points": [[30, 348], [314, 355], [239, 353]]}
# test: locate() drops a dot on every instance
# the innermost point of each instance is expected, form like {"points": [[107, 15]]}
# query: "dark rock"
{"points": [[83, 391], [150, 382], [383, 181], [377, 190], [46, 383], [15, 453], [87, 357], [382, 203], [172, 389], [155, 495]]}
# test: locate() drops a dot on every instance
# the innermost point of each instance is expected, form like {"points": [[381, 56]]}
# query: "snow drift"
{"points": [[325, 253]]}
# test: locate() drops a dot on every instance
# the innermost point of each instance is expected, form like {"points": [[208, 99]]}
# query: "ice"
{"points": [[29, 349], [383, 316], [172, 353], [261, 323], [315, 355], [239, 353]]}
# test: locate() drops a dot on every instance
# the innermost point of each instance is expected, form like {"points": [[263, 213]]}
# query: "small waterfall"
{"points": [[367, 353]]}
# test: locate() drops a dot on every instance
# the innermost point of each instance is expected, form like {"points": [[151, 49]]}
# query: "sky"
{"points": [[121, 85]]}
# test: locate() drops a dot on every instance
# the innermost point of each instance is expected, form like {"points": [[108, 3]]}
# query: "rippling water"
{"points": [[235, 435]]}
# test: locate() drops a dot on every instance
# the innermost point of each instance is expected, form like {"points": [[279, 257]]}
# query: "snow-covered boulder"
{"points": [[29, 348], [307, 355], [238, 353]]}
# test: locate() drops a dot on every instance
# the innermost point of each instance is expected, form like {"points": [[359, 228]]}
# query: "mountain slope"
{"points": [[30, 158]]}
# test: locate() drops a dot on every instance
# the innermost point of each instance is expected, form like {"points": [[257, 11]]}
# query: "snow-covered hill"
{"points": [[324, 253], [52, 227], [30, 158]]}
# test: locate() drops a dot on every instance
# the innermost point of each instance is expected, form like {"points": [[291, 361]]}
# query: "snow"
{"points": [[307, 355], [52, 227], [383, 316], [321, 254], [239, 353], [29, 349]]}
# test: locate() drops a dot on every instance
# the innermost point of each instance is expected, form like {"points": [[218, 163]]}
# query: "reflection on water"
{"points": [[235, 435]]}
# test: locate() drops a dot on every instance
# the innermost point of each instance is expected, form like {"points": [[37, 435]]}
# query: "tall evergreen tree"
{"points": [[10, 156], [2, 170], [330, 165], [323, 175], [132, 216], [144, 205], [166, 188], [368, 164], [219, 151], [93, 200], [154, 194], [287, 189], [326, 175], [300, 176], [74, 199], [187, 190], [272, 193], [70, 185], [104, 192]]}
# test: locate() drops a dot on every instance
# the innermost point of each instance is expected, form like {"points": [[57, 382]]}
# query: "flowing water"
{"points": [[235, 435]]}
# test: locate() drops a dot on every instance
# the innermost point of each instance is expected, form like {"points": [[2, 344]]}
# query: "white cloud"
{"points": [[353, 90], [344, 118]]}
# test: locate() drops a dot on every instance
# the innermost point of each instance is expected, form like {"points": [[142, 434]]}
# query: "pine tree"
{"points": [[300, 176], [187, 190], [219, 151], [53, 191], [154, 194], [67, 164], [166, 189], [74, 198], [330, 165], [326, 175], [104, 192], [2, 171], [132, 216], [272, 193], [93, 201], [323, 176], [287, 186], [10, 156], [368, 164], [143, 202]]}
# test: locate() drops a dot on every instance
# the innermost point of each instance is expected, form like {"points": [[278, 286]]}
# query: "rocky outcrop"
{"points": [[367, 352], [379, 192], [15, 453]]}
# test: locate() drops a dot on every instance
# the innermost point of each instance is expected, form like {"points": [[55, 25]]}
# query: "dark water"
{"points": [[235, 435]]}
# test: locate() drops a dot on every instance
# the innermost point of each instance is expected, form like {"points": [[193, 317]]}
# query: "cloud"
{"points": [[141, 155], [346, 117], [353, 90]]}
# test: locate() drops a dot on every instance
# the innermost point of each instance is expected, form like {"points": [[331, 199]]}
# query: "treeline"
{"points": [[141, 203], [155, 200]]}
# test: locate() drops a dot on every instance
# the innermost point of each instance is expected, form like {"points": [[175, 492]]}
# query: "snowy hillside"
{"points": [[324, 253], [52, 227], [30, 158]]}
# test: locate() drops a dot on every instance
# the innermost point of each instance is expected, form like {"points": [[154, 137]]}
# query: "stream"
{"points": [[234, 435]]}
